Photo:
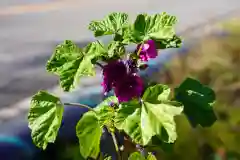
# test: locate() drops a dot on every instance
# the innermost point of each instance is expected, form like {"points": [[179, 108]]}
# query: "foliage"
{"points": [[144, 112], [213, 59]]}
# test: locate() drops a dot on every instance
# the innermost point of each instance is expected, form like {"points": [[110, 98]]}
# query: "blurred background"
{"points": [[30, 29]]}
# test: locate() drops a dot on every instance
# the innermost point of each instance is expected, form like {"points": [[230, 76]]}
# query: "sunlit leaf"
{"points": [[44, 117], [142, 120], [111, 24], [70, 63], [156, 27], [89, 132], [152, 93]]}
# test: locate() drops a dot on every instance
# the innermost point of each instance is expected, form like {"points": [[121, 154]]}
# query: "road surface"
{"points": [[29, 30]]}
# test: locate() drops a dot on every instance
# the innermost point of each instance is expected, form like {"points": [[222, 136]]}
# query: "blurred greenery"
{"points": [[215, 61]]}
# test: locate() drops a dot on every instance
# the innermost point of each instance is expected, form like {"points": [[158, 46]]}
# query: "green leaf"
{"points": [[128, 119], [157, 26], [89, 133], [113, 50], [198, 102], [174, 42], [158, 119], [126, 35], [70, 63], [106, 102], [158, 92], [73, 71], [151, 157], [65, 52], [106, 112], [111, 24], [95, 49], [44, 117], [157, 144], [89, 127], [142, 121], [136, 156], [116, 49]]}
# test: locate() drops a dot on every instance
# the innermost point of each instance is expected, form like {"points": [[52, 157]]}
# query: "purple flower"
{"points": [[113, 72], [119, 75], [148, 50], [131, 87]]}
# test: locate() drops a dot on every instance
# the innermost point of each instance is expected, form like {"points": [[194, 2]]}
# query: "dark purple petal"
{"points": [[148, 51], [112, 72], [131, 87]]}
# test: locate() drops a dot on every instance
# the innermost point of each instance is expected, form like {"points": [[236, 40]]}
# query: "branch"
{"points": [[79, 105]]}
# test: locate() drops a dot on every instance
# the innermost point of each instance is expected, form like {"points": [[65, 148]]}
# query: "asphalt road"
{"points": [[29, 30]]}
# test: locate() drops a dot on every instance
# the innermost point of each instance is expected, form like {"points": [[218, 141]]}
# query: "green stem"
{"points": [[116, 145], [101, 156], [79, 105], [140, 49]]}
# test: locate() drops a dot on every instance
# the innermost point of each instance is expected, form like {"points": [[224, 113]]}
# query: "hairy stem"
{"points": [[79, 105], [140, 49], [116, 145]]}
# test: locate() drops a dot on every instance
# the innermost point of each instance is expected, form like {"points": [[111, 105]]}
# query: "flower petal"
{"points": [[131, 87], [112, 72]]}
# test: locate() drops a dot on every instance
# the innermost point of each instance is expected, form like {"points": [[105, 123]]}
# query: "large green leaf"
{"points": [[156, 27], [89, 132], [89, 128], [44, 117], [198, 102], [95, 49], [111, 24], [71, 63], [158, 92], [153, 116], [64, 53], [105, 52], [174, 42], [115, 49], [158, 119], [128, 119]]}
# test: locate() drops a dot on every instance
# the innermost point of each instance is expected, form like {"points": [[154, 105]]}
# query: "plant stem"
{"points": [[140, 49], [78, 104], [116, 145], [100, 156]]}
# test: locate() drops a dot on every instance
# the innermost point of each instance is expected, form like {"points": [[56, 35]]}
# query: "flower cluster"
{"points": [[122, 77]]}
